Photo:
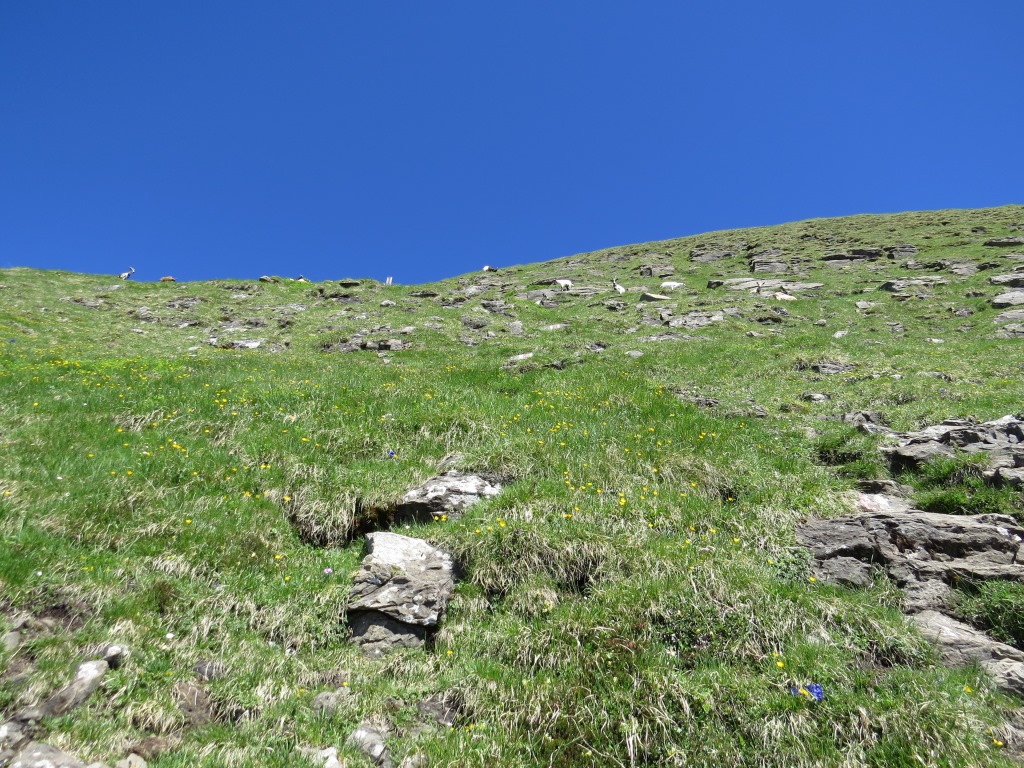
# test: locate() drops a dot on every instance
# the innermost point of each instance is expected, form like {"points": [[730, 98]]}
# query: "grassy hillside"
{"points": [[634, 596]]}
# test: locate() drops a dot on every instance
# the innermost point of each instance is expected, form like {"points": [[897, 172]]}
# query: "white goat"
{"points": [[617, 287], [129, 273], [670, 285], [490, 269], [565, 285]]}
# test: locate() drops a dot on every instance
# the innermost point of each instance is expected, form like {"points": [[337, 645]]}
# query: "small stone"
{"points": [[370, 742], [840, 334], [87, 679], [132, 761], [634, 353], [151, 747], [331, 702], [114, 655], [814, 397], [830, 368], [388, 303], [330, 758], [11, 641]]}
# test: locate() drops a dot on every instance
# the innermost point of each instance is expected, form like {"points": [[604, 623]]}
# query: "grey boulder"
{"points": [[400, 592]]}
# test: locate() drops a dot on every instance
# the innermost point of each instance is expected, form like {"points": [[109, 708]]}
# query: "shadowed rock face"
{"points": [[400, 593]]}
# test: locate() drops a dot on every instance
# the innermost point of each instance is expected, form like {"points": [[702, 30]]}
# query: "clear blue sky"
{"points": [[424, 140]]}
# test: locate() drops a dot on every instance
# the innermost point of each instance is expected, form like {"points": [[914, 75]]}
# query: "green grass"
{"points": [[634, 596]]}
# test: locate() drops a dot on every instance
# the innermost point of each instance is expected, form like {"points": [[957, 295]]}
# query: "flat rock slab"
{"points": [[1003, 242], [754, 285], [400, 592], [1011, 299], [961, 644], [831, 367], [696, 320], [922, 552], [370, 741], [767, 260], [657, 270], [1010, 316], [1013, 331], [1001, 439], [711, 254], [898, 286], [1011, 281]]}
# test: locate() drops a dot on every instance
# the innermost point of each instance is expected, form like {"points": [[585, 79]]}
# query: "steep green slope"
{"points": [[187, 470]]}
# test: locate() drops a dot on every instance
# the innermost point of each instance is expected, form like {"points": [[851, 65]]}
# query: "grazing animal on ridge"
{"points": [[670, 285], [618, 288], [490, 269], [565, 285], [168, 279], [129, 273]]}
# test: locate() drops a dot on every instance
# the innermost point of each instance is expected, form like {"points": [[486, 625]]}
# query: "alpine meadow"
{"points": [[748, 498]]}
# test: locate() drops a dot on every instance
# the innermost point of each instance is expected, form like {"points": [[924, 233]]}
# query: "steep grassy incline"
{"points": [[187, 470]]}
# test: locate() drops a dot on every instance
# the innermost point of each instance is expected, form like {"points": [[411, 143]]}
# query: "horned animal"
{"points": [[490, 269], [617, 287], [670, 285], [565, 285], [129, 273], [168, 279]]}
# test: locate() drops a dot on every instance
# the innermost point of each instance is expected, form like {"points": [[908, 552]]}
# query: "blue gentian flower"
{"points": [[812, 691]]}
